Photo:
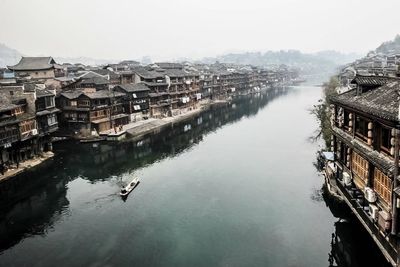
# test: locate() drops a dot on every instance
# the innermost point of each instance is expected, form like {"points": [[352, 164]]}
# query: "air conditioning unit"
{"points": [[373, 210], [384, 220], [346, 179], [34, 132], [370, 195]]}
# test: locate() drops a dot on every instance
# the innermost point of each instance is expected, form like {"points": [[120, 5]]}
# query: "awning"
{"points": [[328, 155]]}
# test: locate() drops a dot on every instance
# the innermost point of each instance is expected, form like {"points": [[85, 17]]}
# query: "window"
{"points": [[27, 126], [82, 116], [73, 103], [7, 133], [49, 100], [11, 92], [70, 115], [18, 110], [385, 139], [52, 119], [360, 167], [84, 103], [361, 128], [383, 186]]}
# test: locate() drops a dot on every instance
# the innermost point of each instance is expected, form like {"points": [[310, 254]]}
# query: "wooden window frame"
{"points": [[360, 166], [383, 186]]}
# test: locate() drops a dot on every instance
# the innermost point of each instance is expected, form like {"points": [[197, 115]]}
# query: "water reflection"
{"points": [[351, 246], [100, 162], [33, 202], [42, 202]]}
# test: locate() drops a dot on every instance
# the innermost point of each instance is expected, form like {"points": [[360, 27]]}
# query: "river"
{"points": [[234, 186]]}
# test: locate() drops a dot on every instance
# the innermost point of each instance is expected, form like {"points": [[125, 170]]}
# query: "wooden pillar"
{"points": [[370, 133], [392, 142], [348, 157], [350, 126]]}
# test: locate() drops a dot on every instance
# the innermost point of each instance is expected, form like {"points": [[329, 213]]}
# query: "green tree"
{"points": [[322, 112]]}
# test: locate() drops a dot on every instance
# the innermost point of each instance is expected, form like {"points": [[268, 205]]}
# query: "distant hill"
{"points": [[390, 47], [85, 60], [321, 62], [8, 56]]}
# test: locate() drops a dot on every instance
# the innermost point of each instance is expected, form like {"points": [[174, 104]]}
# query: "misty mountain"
{"points": [[321, 62], [8, 56], [85, 60], [390, 47]]}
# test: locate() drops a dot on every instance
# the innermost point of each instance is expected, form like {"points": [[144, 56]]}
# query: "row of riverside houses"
{"points": [[40, 97], [365, 125], [374, 64], [28, 115]]}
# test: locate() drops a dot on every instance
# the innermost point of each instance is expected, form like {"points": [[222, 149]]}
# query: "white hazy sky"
{"points": [[166, 29]]}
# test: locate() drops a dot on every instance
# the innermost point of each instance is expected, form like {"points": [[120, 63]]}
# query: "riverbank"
{"points": [[25, 165], [138, 129]]}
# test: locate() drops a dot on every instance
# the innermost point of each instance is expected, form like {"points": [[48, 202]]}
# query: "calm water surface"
{"points": [[235, 186]]}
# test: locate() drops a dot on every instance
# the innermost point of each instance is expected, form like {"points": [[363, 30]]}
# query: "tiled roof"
{"points": [[8, 102], [103, 94], [134, 87], [43, 93], [169, 65], [95, 80], [148, 73], [34, 63], [382, 102], [95, 95], [372, 80], [71, 94]]}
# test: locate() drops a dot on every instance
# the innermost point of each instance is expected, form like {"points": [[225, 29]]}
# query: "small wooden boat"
{"points": [[127, 189]]}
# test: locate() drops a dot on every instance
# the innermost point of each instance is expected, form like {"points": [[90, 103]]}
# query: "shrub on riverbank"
{"points": [[322, 112]]}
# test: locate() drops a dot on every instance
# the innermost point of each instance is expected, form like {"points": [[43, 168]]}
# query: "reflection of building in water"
{"points": [[104, 160], [349, 245], [342, 254], [35, 205]]}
